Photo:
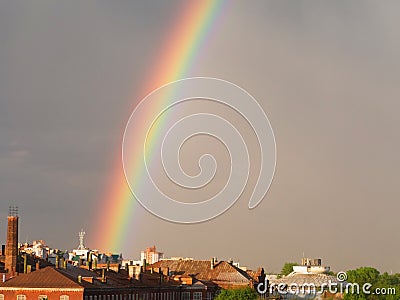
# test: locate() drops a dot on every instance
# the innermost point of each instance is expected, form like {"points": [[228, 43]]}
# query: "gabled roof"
{"points": [[201, 269], [43, 278]]}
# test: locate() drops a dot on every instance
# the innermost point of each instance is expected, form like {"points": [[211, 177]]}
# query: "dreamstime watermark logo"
{"points": [[341, 276], [152, 134], [332, 286]]}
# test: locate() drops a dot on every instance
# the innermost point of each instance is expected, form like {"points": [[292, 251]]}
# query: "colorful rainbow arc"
{"points": [[182, 49]]}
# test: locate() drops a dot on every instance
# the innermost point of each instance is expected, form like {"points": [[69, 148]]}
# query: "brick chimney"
{"points": [[12, 241]]}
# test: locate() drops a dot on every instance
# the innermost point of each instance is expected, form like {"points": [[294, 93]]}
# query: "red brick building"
{"points": [[47, 283], [73, 283]]}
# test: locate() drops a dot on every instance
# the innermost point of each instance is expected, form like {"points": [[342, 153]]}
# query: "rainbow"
{"points": [[182, 48]]}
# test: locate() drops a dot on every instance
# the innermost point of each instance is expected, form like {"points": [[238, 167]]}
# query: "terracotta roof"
{"points": [[43, 278], [255, 274], [204, 283], [50, 277], [201, 269], [113, 279]]}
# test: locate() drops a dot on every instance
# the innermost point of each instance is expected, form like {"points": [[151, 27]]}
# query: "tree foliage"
{"points": [[378, 281], [288, 268], [238, 294], [363, 275]]}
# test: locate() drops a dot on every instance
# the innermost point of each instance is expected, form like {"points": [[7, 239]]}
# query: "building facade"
{"points": [[151, 255]]}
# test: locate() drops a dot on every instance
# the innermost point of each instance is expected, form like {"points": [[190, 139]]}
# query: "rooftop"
{"points": [[43, 278], [202, 270], [301, 279], [78, 278]]}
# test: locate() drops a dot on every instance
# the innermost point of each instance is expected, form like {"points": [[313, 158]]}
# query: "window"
{"points": [[21, 297], [197, 296], [64, 297], [186, 296], [1, 297], [42, 297]]}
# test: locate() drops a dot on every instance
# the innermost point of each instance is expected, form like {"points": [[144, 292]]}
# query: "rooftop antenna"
{"points": [[13, 211], [81, 240]]}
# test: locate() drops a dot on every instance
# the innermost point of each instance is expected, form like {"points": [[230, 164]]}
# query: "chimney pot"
{"points": [[144, 263], [25, 263], [61, 262], [103, 275]]}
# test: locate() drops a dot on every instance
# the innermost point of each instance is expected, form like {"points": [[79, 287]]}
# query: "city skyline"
{"points": [[325, 74]]}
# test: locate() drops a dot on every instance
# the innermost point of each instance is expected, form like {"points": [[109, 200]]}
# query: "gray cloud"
{"points": [[325, 73]]}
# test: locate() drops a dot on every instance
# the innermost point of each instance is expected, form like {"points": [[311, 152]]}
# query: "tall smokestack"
{"points": [[12, 241]]}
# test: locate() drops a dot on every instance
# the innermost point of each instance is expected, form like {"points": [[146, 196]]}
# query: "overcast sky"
{"points": [[326, 73]]}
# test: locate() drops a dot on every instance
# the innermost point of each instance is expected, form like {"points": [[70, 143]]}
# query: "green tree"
{"points": [[377, 280], [237, 294], [288, 268], [363, 275], [386, 279]]}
